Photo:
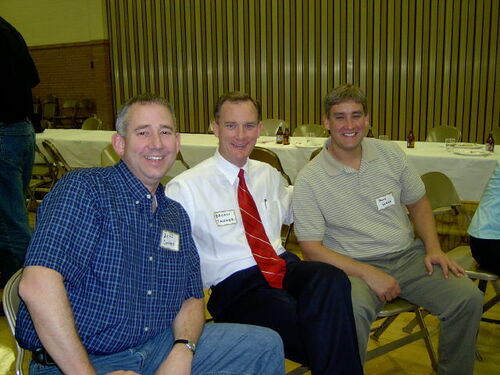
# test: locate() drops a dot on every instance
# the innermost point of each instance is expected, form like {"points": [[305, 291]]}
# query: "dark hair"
{"points": [[147, 98], [344, 93], [233, 97]]}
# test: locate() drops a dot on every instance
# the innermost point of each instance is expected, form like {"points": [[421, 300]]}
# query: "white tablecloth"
{"points": [[470, 174]]}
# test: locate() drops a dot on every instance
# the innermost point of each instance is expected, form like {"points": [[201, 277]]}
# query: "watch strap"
{"points": [[189, 344]]}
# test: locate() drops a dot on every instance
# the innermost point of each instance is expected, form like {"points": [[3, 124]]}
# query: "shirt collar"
{"points": [[228, 169], [334, 167], [135, 186]]}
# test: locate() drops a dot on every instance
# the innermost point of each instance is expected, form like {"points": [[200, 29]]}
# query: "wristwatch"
{"points": [[188, 343]]}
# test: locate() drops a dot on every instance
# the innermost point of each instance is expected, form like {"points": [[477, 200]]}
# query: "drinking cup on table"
{"points": [[310, 136], [450, 143], [383, 137]]}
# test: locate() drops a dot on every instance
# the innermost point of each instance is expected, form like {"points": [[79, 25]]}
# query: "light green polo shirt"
{"points": [[358, 213]]}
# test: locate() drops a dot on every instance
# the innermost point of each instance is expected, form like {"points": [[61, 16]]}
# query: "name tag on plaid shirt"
{"points": [[169, 240]]}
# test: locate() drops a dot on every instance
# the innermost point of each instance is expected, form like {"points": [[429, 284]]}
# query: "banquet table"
{"points": [[470, 174]]}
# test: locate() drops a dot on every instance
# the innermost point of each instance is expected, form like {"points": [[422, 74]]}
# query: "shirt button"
{"points": [[150, 292], [151, 259], [136, 202], [146, 329], [148, 196]]}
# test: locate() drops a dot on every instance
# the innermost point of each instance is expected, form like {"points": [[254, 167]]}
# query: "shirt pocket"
{"points": [[271, 217]]}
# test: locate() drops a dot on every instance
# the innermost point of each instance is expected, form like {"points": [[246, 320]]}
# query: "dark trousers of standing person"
{"points": [[312, 313], [17, 152], [487, 253]]}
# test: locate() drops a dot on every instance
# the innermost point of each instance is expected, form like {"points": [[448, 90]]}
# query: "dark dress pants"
{"points": [[487, 253], [312, 313]]}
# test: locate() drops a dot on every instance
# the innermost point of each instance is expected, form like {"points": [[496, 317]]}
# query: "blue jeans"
{"points": [[224, 349], [17, 152]]}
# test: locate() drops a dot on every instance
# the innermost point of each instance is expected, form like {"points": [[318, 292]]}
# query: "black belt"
{"points": [[41, 357]]}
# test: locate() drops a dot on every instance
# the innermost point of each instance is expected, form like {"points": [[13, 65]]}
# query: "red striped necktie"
{"points": [[270, 264]]}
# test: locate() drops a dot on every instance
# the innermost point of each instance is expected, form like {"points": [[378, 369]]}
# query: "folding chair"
{"points": [[108, 156], [463, 256], [166, 179], [68, 114], [267, 156], [451, 219], [92, 123], [59, 162], [11, 302], [440, 133], [390, 312], [315, 153], [43, 177], [305, 130], [444, 199], [270, 126]]}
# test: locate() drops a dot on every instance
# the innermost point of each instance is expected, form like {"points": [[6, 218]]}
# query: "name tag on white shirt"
{"points": [[225, 217], [385, 201], [170, 240]]}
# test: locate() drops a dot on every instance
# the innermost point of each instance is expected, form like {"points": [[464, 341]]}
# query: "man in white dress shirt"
{"points": [[310, 307]]}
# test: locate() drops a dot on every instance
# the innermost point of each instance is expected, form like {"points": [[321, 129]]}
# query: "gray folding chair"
{"points": [[440, 133], [270, 126], [307, 129], [11, 302]]}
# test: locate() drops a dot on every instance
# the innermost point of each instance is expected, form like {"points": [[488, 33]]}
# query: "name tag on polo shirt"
{"points": [[169, 240], [385, 201], [225, 217]]}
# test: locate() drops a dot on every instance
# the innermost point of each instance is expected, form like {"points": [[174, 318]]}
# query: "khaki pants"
{"points": [[456, 301]]}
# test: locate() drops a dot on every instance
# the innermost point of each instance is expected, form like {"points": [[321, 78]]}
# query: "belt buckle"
{"points": [[41, 357]]}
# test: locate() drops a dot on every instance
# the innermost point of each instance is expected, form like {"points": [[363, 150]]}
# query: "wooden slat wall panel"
{"points": [[422, 63]]}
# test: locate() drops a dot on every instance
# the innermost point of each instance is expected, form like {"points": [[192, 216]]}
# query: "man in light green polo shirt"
{"points": [[350, 205]]}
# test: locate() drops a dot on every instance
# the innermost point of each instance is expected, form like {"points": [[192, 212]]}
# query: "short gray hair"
{"points": [[147, 98], [342, 94]]}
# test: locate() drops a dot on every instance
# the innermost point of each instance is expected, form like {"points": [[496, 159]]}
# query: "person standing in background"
{"points": [[18, 75]]}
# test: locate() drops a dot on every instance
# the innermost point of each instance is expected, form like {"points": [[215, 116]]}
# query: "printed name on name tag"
{"points": [[169, 240], [385, 201], [225, 217]]}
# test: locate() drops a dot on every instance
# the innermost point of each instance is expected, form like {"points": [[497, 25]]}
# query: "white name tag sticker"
{"points": [[385, 201], [225, 217], [169, 240]]}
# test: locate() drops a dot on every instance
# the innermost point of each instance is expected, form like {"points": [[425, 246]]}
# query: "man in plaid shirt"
{"points": [[112, 276]]}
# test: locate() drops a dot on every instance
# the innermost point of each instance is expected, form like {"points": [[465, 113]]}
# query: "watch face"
{"points": [[191, 346]]}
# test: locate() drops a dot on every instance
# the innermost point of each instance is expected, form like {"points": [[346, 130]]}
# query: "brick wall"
{"points": [[77, 71]]}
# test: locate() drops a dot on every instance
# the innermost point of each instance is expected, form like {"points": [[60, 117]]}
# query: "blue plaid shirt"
{"points": [[125, 276]]}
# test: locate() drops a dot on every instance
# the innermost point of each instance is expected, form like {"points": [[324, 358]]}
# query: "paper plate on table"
{"points": [[305, 144], [471, 152], [469, 146]]}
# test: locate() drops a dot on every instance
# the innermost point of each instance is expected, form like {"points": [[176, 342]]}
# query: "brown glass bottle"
{"points": [[410, 140], [279, 135], [286, 136], [490, 143]]}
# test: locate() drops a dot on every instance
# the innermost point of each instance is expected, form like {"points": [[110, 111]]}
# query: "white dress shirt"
{"points": [[209, 194]]}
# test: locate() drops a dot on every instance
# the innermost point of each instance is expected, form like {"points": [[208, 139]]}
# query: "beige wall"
{"points": [[43, 22]]}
